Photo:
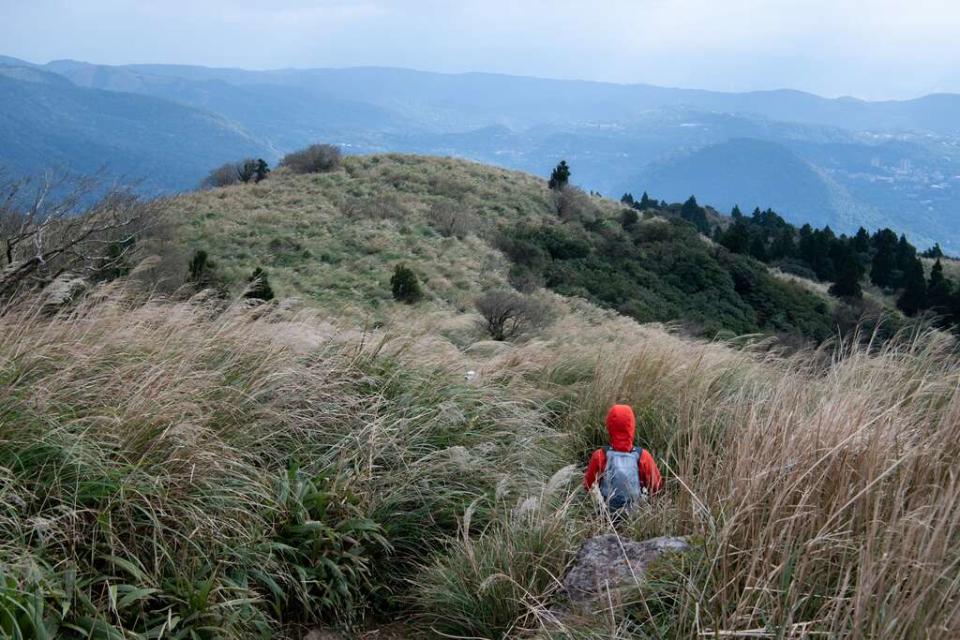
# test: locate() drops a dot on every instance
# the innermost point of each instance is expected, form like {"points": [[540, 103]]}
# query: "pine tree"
{"points": [[261, 171], [560, 176], [914, 296], [693, 213], [861, 241], [884, 263], [737, 237], [939, 290], [627, 198], [736, 214], [906, 253], [259, 287], [847, 284], [646, 202], [783, 245], [933, 252], [806, 246], [758, 248]]}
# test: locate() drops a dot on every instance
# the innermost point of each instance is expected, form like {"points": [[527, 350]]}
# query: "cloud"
{"points": [[874, 48]]}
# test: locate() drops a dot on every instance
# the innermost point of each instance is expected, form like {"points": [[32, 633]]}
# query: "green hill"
{"points": [[333, 239], [176, 465]]}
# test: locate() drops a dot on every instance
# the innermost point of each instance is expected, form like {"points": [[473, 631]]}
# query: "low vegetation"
{"points": [[317, 158], [405, 285], [661, 270], [180, 465], [175, 473], [244, 171], [507, 314]]}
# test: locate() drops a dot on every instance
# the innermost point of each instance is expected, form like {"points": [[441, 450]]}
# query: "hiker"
{"points": [[626, 473]]}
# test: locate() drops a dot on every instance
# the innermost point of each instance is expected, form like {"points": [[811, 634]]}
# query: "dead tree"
{"points": [[51, 224], [507, 314]]}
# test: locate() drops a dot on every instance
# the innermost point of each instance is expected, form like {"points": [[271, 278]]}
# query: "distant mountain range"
{"points": [[842, 162]]}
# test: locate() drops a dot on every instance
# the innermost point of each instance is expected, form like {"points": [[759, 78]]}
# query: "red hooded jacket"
{"points": [[621, 426]]}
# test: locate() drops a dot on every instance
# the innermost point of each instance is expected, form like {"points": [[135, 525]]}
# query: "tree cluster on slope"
{"points": [[888, 260], [243, 172]]}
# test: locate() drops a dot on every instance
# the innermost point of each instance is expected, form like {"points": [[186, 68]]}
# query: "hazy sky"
{"points": [[866, 48]]}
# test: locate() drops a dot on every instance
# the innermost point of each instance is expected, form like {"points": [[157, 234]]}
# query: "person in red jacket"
{"points": [[624, 472]]}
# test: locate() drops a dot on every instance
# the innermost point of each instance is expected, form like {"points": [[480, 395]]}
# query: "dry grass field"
{"points": [[170, 468]]}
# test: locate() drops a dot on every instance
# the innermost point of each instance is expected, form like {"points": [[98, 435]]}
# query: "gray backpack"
{"points": [[620, 484]]}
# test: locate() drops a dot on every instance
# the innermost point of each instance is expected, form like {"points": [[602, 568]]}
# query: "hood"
{"points": [[621, 425]]}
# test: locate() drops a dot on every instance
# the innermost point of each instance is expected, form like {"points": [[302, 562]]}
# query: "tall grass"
{"points": [[165, 472], [170, 472], [824, 496]]}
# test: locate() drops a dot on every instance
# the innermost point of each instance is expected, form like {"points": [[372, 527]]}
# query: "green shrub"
{"points": [[663, 271], [629, 218], [259, 286], [405, 285], [327, 542], [202, 272]]}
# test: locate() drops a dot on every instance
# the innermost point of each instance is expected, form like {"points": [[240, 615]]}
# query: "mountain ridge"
{"points": [[897, 159]]}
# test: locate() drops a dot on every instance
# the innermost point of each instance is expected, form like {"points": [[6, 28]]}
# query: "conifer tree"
{"points": [[939, 290], [933, 252], [783, 245], [693, 213], [646, 202], [861, 241], [847, 284], [261, 171], [737, 238], [914, 296], [884, 263], [736, 214], [560, 176], [906, 253], [758, 248]]}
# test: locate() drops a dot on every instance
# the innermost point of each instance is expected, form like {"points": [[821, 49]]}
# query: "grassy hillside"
{"points": [[172, 473], [333, 239], [172, 468]]}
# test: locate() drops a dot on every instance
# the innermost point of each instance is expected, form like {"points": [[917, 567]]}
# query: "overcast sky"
{"points": [[866, 48]]}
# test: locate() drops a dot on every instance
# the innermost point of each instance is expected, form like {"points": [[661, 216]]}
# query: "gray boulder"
{"points": [[62, 291], [609, 563]]}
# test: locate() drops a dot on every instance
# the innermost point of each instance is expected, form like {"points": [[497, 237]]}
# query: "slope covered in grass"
{"points": [[170, 472], [334, 238], [183, 467]]}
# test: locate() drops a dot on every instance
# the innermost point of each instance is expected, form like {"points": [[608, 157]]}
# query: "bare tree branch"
{"points": [[51, 224]]}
